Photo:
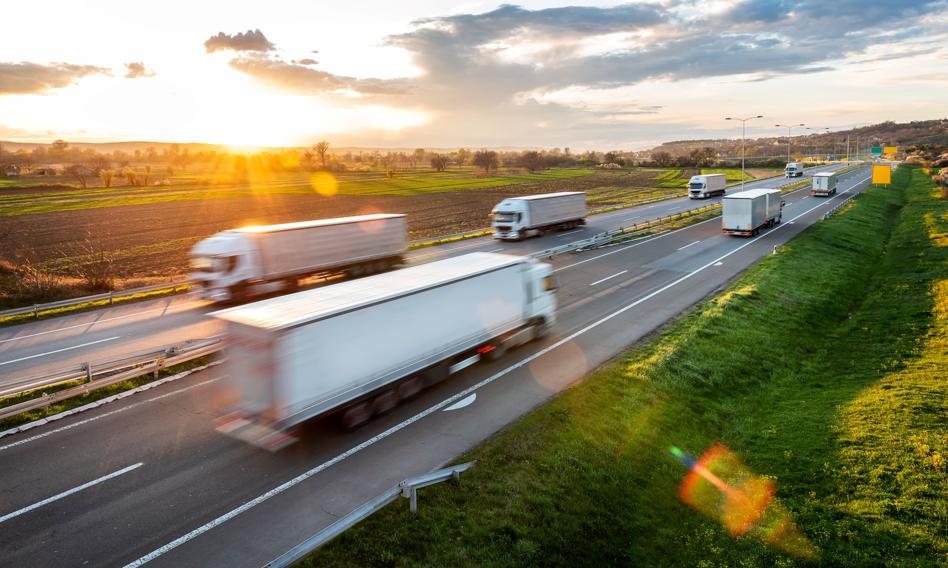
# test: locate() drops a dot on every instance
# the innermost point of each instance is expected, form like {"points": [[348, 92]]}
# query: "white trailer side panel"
{"points": [[548, 210], [337, 359], [293, 251]]}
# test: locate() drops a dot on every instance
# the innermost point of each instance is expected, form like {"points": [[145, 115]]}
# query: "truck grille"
{"points": [[503, 228]]}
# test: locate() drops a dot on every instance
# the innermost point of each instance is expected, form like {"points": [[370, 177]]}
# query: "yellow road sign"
{"points": [[891, 150], [881, 175]]}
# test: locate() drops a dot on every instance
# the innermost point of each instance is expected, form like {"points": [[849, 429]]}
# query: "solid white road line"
{"points": [[495, 250], [608, 278], [462, 403], [112, 475], [60, 350], [570, 233], [105, 414], [444, 403], [688, 245]]}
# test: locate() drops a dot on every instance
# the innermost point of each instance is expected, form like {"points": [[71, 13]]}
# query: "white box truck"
{"points": [[794, 169], [357, 348], [747, 212], [517, 218], [237, 264], [707, 185], [824, 183]]}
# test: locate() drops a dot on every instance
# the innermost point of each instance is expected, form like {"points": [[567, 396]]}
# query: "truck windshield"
{"points": [[213, 264], [696, 185], [505, 217]]}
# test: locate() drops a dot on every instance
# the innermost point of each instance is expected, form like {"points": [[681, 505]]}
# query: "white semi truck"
{"points": [[357, 348], [794, 169], [234, 265], [824, 184], [707, 185], [517, 218], [747, 212]]}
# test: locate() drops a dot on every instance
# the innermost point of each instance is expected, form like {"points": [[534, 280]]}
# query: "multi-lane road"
{"points": [[148, 479]]}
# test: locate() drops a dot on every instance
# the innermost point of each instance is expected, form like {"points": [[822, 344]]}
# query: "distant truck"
{"points": [[235, 265], [357, 348], [517, 218], [794, 169], [824, 183], [707, 185], [747, 212]]}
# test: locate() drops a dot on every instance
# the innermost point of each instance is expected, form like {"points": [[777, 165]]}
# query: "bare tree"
{"points": [[417, 156], [106, 177], [532, 160], [486, 159], [80, 172], [320, 149], [662, 158], [91, 262], [98, 163], [439, 162], [463, 155]]}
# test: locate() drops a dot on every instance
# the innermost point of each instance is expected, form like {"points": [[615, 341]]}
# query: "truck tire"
{"points": [[356, 415], [521, 235], [497, 352], [410, 387], [385, 401]]}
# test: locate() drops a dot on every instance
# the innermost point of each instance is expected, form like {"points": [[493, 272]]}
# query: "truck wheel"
{"points": [[410, 387], [539, 331], [385, 401], [357, 415], [521, 235], [291, 285], [497, 352], [355, 271]]}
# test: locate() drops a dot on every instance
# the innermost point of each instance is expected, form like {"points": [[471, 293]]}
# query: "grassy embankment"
{"points": [[822, 367]]}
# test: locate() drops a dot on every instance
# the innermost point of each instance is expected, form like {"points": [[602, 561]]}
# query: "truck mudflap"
{"points": [[246, 430]]}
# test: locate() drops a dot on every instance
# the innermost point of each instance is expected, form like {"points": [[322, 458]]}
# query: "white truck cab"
{"points": [[708, 185], [794, 169], [221, 262]]}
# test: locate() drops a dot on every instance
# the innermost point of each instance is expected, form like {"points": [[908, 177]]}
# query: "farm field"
{"points": [[821, 369], [149, 230]]}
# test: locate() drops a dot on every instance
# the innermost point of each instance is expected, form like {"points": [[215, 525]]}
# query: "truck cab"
{"points": [[222, 265], [794, 169], [510, 219]]}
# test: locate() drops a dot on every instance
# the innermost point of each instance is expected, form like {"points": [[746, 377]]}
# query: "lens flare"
{"points": [[719, 485], [324, 183]]}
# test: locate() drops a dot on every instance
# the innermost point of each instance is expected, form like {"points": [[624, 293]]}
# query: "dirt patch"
{"points": [[153, 240]]}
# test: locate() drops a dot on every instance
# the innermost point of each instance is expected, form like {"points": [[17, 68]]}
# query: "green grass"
{"points": [[320, 183], [822, 367], [730, 174]]}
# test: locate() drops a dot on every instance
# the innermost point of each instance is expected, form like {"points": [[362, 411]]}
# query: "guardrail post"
{"points": [[88, 369], [111, 294], [35, 311], [413, 500]]}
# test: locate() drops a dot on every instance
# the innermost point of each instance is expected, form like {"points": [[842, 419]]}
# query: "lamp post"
{"points": [[815, 130], [743, 134], [789, 127]]}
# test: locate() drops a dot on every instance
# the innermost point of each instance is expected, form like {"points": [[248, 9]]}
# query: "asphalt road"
{"points": [[35, 348], [148, 478]]}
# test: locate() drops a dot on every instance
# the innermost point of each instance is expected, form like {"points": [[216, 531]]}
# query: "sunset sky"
{"points": [[439, 74]]}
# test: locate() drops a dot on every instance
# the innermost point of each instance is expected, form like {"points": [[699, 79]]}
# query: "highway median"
{"points": [[821, 368]]}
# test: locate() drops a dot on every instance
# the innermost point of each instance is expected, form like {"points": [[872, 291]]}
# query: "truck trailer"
{"points": [[707, 185], [235, 265], [357, 348], [794, 169], [824, 183], [747, 212], [517, 218]]}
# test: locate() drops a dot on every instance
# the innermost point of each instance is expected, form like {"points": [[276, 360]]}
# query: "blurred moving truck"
{"points": [[794, 169], [707, 186], [237, 264], [357, 348], [517, 218], [747, 212], [824, 183]]}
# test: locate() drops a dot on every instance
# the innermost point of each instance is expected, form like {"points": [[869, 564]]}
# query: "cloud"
{"points": [[305, 79], [251, 40], [306, 61], [136, 70], [25, 78]]}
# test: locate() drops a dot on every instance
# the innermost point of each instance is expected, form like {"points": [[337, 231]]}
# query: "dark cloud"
{"points": [[136, 70], [306, 61], [23, 78], [251, 40]]}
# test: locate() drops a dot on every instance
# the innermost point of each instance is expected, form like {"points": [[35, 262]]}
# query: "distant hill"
{"points": [[883, 134]]}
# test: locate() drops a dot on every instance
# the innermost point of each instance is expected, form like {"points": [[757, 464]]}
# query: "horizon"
{"points": [[538, 75]]}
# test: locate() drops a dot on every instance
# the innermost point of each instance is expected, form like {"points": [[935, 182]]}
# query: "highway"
{"points": [[148, 480]]}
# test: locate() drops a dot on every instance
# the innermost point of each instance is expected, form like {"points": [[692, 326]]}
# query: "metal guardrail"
{"points": [[839, 206], [407, 489], [108, 373], [37, 309]]}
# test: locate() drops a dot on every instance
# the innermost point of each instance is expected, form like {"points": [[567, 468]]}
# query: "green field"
{"points": [[822, 368], [319, 183], [731, 174]]}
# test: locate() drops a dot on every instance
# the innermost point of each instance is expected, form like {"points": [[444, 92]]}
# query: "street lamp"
{"points": [[789, 127], [817, 128], [743, 133]]}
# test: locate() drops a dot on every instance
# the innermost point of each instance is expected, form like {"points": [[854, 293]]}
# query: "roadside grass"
{"points": [[731, 174], [822, 367], [87, 398], [318, 183]]}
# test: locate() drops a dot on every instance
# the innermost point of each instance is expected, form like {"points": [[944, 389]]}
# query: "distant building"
{"points": [[44, 171], [12, 170]]}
